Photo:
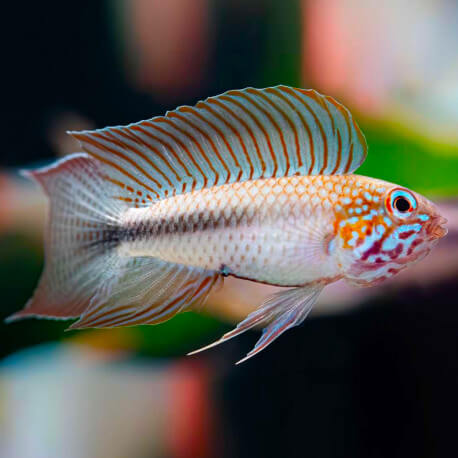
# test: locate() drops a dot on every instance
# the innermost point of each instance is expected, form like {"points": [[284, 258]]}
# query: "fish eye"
{"points": [[401, 203]]}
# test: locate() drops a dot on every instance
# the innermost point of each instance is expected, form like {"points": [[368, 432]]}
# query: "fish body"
{"points": [[329, 227], [256, 184], [252, 230]]}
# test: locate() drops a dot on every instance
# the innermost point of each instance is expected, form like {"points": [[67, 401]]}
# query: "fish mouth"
{"points": [[437, 230]]}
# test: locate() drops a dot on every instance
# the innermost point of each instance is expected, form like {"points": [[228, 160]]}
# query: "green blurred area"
{"points": [[400, 157]]}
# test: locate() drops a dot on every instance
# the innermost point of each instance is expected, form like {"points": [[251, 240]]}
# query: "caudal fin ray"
{"points": [[78, 259], [85, 276]]}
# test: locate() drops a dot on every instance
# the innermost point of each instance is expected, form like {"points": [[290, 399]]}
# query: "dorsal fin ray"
{"points": [[236, 136]]}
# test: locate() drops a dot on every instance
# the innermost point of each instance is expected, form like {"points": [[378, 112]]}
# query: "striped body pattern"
{"points": [[256, 184]]}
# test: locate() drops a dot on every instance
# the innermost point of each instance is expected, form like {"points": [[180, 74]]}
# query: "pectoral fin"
{"points": [[278, 313]]}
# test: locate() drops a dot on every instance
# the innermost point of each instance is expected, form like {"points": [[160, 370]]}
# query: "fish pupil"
{"points": [[401, 204]]}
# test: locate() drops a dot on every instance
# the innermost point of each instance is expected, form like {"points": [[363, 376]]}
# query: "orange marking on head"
{"points": [[346, 232]]}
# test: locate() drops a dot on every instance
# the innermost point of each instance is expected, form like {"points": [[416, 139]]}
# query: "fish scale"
{"points": [[240, 226], [246, 227], [254, 183]]}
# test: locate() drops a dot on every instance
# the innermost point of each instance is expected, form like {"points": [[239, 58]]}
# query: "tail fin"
{"points": [[80, 236], [84, 274]]}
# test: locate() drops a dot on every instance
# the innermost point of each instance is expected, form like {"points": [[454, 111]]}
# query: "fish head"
{"points": [[397, 228]]}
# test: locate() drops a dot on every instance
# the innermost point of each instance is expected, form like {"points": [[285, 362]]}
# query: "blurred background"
{"points": [[372, 373]]}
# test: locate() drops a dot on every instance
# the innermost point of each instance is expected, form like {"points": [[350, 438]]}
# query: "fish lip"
{"points": [[438, 229]]}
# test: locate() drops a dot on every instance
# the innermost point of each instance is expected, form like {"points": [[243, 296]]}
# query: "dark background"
{"points": [[378, 381]]}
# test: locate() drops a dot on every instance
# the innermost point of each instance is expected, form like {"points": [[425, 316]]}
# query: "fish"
{"points": [[256, 183]]}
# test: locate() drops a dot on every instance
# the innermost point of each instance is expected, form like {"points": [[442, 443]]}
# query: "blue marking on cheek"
{"points": [[332, 246], [409, 227], [365, 207], [376, 199], [352, 241], [346, 200], [367, 196], [380, 229], [353, 220], [367, 217], [358, 211], [423, 217], [350, 210], [368, 241], [390, 243], [387, 221]]}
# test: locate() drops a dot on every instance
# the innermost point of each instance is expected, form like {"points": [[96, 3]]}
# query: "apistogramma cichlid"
{"points": [[254, 183]]}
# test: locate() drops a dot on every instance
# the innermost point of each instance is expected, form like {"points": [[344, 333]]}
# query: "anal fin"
{"points": [[278, 313], [148, 291]]}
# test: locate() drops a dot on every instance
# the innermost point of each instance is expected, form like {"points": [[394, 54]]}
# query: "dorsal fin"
{"points": [[236, 136]]}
